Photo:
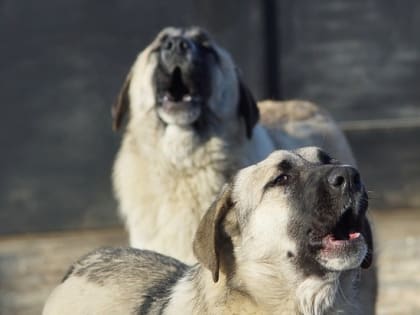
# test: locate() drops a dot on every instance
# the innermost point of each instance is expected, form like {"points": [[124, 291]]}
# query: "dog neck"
{"points": [[197, 293], [332, 294], [313, 296], [184, 149], [221, 145]]}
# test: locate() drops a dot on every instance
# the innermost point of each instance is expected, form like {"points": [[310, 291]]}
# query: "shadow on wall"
{"points": [[62, 64]]}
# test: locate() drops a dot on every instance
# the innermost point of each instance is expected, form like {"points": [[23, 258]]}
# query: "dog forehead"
{"points": [[278, 156], [195, 31], [170, 31], [254, 177], [191, 32], [313, 155]]}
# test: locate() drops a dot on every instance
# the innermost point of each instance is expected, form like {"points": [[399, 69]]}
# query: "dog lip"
{"points": [[330, 243], [332, 247]]}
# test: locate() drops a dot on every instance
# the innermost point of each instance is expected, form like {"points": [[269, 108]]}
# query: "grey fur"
{"points": [[256, 273]]}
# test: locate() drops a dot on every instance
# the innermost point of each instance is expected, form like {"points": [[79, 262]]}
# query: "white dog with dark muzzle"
{"points": [[192, 123], [288, 235]]}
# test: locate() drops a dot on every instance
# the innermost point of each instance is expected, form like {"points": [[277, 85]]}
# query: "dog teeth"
{"points": [[187, 98]]}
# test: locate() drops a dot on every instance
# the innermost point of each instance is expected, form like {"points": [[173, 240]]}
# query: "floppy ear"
{"points": [[121, 105], [209, 238], [367, 234], [247, 108]]}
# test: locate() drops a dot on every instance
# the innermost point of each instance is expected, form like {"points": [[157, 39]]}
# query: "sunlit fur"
{"points": [[166, 176], [264, 279]]}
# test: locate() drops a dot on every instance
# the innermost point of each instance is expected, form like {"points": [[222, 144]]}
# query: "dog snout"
{"points": [[177, 50], [344, 178], [176, 45]]}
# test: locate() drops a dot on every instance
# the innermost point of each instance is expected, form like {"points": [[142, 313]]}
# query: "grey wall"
{"points": [[62, 63], [61, 66], [361, 60]]}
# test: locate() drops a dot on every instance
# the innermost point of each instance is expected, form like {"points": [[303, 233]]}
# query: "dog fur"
{"points": [[166, 174], [170, 168], [255, 253]]}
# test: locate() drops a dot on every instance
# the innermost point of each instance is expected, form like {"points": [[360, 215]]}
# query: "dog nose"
{"points": [[176, 45], [344, 177]]}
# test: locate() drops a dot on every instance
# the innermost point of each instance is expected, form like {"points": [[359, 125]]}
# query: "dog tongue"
{"points": [[330, 242]]}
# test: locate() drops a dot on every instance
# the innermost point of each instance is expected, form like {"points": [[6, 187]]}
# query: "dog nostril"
{"points": [[183, 45], [337, 181]]}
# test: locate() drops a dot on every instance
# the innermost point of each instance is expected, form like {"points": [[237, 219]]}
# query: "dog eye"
{"points": [[163, 38], [282, 179]]}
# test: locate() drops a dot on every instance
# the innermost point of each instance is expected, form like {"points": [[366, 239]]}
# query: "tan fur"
{"points": [[164, 178], [243, 239], [296, 123]]}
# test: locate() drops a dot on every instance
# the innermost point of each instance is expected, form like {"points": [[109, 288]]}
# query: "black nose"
{"points": [[176, 45], [344, 177]]}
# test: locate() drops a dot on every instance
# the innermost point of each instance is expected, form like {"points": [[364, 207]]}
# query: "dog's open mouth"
{"points": [[344, 233], [178, 94], [343, 246], [178, 103]]}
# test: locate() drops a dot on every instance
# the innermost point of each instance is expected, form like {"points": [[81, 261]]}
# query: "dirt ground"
{"points": [[31, 265]]}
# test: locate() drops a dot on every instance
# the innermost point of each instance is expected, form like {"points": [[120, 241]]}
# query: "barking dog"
{"points": [[192, 124], [288, 235]]}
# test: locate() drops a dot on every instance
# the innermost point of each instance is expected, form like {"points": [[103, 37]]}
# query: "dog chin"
{"points": [[341, 255], [180, 117]]}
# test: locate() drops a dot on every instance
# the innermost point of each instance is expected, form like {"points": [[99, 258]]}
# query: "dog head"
{"points": [[187, 80], [295, 215]]}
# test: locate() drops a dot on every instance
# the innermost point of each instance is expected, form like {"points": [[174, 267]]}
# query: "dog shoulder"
{"points": [[95, 282], [275, 113], [296, 123], [293, 123], [110, 264]]}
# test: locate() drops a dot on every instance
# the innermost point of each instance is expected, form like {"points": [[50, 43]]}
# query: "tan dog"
{"points": [[287, 236], [192, 124]]}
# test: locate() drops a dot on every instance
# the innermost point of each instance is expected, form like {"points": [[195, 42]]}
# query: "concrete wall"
{"points": [[62, 63]]}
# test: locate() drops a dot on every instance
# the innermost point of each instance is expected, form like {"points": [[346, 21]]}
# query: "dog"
{"points": [[192, 124], [288, 235]]}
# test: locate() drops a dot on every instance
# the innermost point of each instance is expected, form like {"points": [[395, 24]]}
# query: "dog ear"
{"points": [[121, 105], [367, 234], [247, 108], [209, 238]]}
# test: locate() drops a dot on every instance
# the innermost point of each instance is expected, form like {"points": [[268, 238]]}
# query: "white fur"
{"points": [[101, 299], [166, 177], [264, 279], [346, 262]]}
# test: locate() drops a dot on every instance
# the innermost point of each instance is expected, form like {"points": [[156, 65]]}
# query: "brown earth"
{"points": [[31, 265]]}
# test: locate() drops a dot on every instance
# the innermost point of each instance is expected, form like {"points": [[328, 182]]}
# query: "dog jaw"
{"points": [[339, 255]]}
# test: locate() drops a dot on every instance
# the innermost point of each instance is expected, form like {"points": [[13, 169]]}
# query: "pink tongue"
{"points": [[353, 236]]}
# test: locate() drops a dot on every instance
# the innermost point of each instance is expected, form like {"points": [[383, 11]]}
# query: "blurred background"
{"points": [[62, 64]]}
